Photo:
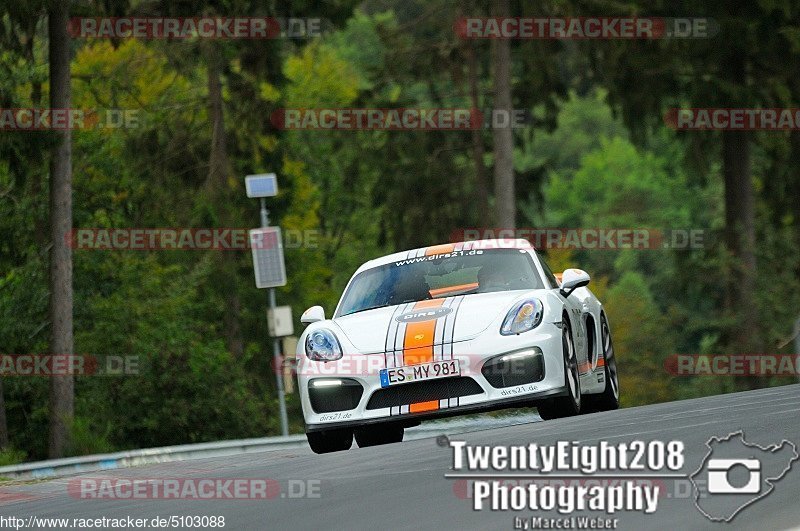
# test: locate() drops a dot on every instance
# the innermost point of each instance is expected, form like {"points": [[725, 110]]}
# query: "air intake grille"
{"points": [[335, 398], [423, 392], [511, 371]]}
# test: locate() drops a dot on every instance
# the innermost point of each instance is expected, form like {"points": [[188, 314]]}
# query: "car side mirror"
{"points": [[312, 315], [572, 279]]}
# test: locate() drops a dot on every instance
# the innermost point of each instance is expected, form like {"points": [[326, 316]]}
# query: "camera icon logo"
{"points": [[719, 471]]}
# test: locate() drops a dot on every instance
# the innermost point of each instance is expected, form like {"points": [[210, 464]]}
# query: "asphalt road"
{"points": [[402, 486]]}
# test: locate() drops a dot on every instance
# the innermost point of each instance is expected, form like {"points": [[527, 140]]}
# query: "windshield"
{"points": [[431, 277]]}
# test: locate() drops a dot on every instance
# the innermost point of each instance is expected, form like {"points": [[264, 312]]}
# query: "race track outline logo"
{"points": [[729, 461]]}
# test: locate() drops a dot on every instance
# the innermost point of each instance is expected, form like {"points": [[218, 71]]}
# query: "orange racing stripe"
{"points": [[460, 287], [440, 249], [418, 347]]}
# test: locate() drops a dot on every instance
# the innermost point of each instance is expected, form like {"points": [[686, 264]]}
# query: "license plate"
{"points": [[416, 373]]}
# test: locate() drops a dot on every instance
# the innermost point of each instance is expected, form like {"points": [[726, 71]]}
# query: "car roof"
{"points": [[445, 248]]}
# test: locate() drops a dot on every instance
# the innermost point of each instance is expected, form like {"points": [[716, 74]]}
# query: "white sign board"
{"points": [[279, 321], [267, 247], [263, 185]]}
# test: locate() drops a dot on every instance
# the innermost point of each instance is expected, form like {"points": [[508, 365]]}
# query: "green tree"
{"points": [[640, 344]]}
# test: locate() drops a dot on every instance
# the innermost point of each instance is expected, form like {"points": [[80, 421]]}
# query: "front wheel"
{"points": [[323, 442], [569, 405]]}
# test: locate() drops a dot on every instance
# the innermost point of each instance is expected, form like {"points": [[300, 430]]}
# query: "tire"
{"points": [[323, 442], [569, 405], [608, 400], [379, 434]]}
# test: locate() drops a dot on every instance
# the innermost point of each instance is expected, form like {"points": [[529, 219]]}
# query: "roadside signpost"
{"points": [[270, 272]]}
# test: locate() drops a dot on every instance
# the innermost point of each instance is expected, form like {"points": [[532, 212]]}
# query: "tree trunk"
{"points": [[504, 195], [62, 391], [794, 188], [740, 238], [481, 187], [218, 174], [3, 422], [218, 159], [40, 222]]}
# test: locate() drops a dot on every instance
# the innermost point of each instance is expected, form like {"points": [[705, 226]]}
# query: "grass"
{"points": [[11, 456]]}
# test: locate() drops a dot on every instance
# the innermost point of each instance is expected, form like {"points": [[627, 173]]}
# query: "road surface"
{"points": [[403, 486]]}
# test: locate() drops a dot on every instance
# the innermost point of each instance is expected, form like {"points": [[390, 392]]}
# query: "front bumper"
{"points": [[359, 377], [412, 419]]}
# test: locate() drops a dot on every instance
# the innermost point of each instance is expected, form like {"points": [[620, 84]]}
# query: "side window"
{"points": [[549, 274]]}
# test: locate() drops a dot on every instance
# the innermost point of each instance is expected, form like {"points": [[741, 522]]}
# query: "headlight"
{"points": [[321, 345], [523, 316]]}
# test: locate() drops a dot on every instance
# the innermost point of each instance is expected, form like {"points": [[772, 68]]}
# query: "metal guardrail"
{"points": [[93, 463]]}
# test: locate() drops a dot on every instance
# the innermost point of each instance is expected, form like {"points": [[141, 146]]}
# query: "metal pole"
{"points": [[276, 348], [264, 214], [276, 353]]}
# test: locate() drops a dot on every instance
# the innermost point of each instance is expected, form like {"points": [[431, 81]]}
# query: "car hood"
{"points": [[473, 314]]}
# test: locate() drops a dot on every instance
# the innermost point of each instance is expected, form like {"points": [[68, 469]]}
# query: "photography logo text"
{"points": [[488, 466]]}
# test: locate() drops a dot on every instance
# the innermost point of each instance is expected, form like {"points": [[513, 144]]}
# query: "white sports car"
{"points": [[450, 330]]}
